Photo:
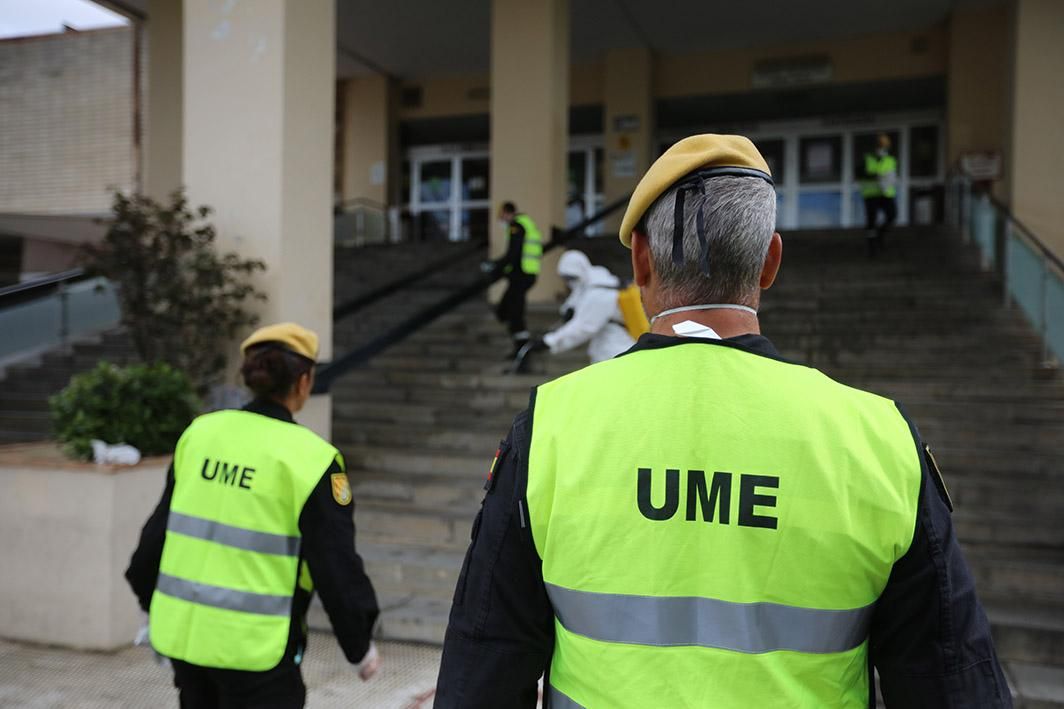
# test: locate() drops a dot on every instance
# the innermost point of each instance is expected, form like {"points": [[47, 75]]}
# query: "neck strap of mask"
{"points": [[713, 306]]}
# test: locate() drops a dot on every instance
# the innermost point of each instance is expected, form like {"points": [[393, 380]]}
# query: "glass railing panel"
{"points": [[983, 222], [92, 306], [82, 308], [1024, 277], [30, 326], [1054, 334]]}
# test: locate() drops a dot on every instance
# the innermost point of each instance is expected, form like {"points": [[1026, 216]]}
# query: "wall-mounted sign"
{"points": [[628, 123], [622, 164], [982, 166], [376, 173], [792, 71]]}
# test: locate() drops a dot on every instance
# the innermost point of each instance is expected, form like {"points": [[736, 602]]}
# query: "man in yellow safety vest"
{"points": [[702, 523]]}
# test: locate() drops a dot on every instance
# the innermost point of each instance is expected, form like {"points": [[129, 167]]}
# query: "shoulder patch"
{"points": [[489, 484], [341, 488], [936, 475]]}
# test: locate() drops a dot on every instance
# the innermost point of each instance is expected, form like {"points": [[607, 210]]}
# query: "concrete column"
{"points": [[530, 119], [163, 159], [629, 121], [258, 148], [978, 99], [370, 141], [1037, 115]]}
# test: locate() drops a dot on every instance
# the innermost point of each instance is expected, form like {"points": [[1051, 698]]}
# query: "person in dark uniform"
{"points": [[699, 522], [256, 515], [520, 264]]}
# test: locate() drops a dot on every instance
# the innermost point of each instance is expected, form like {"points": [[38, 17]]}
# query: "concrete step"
{"points": [[1036, 686], [1027, 632]]}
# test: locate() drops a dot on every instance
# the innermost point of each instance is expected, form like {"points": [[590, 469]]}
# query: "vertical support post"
{"points": [[64, 315], [1004, 260]]}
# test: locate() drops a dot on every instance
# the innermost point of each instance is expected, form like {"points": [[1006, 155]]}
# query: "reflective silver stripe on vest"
{"points": [[560, 700], [707, 622], [227, 598], [230, 536]]}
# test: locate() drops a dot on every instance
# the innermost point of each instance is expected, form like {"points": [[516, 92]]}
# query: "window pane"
{"points": [[820, 159], [598, 171], [577, 174], [475, 177], [772, 150], [436, 181], [475, 224], [923, 151], [819, 209], [865, 144], [780, 202], [404, 178], [435, 225]]}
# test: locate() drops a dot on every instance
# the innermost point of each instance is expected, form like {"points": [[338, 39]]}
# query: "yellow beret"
{"points": [[290, 336], [697, 152]]}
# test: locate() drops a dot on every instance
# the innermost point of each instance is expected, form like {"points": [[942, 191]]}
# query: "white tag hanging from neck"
{"points": [[690, 328]]}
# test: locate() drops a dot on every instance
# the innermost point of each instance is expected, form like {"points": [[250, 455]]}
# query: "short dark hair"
{"points": [[509, 207]]}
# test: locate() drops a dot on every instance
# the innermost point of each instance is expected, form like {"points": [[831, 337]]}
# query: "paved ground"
{"points": [[35, 677]]}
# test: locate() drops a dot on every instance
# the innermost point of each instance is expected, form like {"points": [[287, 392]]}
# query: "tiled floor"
{"points": [[38, 677]]}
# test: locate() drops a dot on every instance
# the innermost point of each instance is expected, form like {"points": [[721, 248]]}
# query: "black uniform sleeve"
{"points": [[143, 571], [930, 638], [514, 248], [339, 576], [500, 637]]}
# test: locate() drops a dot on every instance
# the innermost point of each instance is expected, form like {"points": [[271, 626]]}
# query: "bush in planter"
{"points": [[183, 302], [145, 405]]}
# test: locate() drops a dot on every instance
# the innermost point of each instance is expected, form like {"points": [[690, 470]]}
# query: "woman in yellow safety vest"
{"points": [[256, 515]]}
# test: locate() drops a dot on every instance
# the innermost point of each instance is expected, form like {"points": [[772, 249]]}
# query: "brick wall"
{"points": [[66, 121]]}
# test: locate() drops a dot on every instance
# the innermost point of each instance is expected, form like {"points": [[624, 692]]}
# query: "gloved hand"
{"points": [[368, 665], [143, 638], [487, 266]]}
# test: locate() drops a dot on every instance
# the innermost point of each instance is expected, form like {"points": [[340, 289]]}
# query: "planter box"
{"points": [[67, 531]]}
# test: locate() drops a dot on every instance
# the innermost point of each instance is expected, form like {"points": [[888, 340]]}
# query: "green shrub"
{"points": [[146, 406]]}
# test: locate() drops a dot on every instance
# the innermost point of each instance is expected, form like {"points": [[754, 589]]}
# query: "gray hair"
{"points": [[740, 218]]}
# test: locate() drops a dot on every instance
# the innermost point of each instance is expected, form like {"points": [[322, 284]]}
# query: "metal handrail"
{"points": [[37, 287], [329, 372], [1027, 232], [359, 302]]}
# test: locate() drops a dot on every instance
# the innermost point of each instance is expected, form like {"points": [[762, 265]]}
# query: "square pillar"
{"points": [[370, 140], [163, 151], [1037, 115], [259, 94], [629, 122], [530, 119]]}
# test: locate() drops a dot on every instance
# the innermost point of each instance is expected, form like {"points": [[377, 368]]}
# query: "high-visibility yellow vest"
{"points": [[715, 527], [876, 166], [230, 563], [532, 252]]}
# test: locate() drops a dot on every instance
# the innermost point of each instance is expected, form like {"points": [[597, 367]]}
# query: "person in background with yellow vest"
{"points": [[520, 264], [256, 516], [880, 191], [702, 523]]}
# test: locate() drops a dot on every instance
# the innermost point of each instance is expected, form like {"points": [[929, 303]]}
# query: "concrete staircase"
{"points": [[922, 324], [26, 386]]}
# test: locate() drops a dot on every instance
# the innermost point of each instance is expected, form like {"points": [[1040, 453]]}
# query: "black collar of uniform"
{"points": [[754, 344], [269, 407]]}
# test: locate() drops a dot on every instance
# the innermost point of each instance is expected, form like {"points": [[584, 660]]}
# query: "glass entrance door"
{"points": [[448, 192]]}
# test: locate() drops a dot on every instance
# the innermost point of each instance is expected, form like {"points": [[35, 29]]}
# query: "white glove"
{"points": [[142, 638], [368, 665]]}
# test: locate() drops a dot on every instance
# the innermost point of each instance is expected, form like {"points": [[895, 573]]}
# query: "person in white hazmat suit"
{"points": [[596, 317]]}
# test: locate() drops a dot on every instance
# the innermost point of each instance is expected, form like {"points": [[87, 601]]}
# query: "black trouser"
{"points": [[511, 309], [873, 206], [209, 688]]}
